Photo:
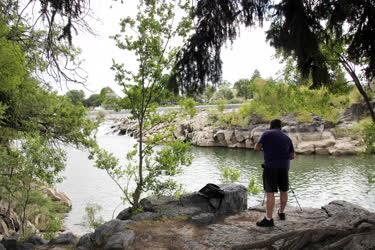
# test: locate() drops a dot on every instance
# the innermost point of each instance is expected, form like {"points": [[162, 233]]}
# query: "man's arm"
{"points": [[258, 146], [292, 153]]}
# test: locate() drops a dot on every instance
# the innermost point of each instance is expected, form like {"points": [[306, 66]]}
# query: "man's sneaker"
{"points": [[265, 223], [281, 215]]}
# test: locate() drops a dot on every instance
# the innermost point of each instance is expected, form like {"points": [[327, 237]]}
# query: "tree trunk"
{"points": [[24, 207], [357, 83]]}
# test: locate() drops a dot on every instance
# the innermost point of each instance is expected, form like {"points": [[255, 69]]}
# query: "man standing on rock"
{"points": [[278, 150]]}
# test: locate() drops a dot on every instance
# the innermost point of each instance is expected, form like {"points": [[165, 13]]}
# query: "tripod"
{"points": [[295, 197]]}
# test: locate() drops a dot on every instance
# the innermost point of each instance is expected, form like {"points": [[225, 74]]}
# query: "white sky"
{"points": [[249, 52]]}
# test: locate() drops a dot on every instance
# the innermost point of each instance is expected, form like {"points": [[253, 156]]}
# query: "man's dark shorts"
{"points": [[275, 179]]}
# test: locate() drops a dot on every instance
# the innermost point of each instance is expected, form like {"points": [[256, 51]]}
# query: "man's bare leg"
{"points": [[283, 201], [270, 204]]}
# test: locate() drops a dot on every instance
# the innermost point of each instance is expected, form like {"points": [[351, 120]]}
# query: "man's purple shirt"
{"points": [[278, 149]]}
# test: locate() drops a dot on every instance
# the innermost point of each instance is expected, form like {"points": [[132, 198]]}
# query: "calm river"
{"points": [[316, 180]]}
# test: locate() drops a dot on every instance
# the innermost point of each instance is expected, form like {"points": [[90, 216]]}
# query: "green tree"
{"points": [[76, 96], [188, 105], [34, 123], [298, 29], [149, 36], [93, 100], [108, 98], [208, 93], [46, 35], [223, 93], [256, 74], [242, 88]]}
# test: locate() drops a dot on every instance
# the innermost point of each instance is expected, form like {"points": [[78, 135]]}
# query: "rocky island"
{"points": [[318, 137]]}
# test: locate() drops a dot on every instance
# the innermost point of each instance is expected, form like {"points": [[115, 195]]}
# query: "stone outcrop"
{"points": [[338, 225], [317, 137], [190, 205], [64, 239], [113, 234], [10, 225], [10, 222], [58, 196]]}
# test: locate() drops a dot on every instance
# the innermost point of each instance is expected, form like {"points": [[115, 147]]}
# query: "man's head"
{"points": [[275, 124]]}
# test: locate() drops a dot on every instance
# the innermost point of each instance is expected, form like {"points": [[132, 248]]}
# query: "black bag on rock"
{"points": [[212, 191]]}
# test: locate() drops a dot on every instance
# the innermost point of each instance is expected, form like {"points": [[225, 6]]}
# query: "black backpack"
{"points": [[212, 191]]}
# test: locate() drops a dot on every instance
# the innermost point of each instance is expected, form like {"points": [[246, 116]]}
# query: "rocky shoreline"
{"points": [[10, 222], [190, 222], [318, 137]]}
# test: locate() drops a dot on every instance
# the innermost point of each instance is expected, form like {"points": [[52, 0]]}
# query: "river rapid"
{"points": [[316, 180]]}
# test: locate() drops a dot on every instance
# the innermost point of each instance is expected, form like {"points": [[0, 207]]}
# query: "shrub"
{"points": [[223, 93], [229, 174], [253, 188], [188, 105], [366, 128], [355, 96], [275, 100], [92, 218], [369, 137], [220, 105]]}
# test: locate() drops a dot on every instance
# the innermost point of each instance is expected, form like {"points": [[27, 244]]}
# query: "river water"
{"points": [[316, 180]]}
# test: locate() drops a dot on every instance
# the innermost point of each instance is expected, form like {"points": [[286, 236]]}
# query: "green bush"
{"points": [[93, 219], [369, 137], [223, 93], [366, 128], [188, 106], [253, 188], [272, 101], [355, 96], [229, 174], [275, 100]]}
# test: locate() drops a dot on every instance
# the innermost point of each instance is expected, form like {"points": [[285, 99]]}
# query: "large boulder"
{"points": [[9, 220], [114, 234], [317, 126], [86, 242], [305, 148], [203, 219], [257, 132], [58, 196], [241, 135], [145, 216], [37, 240], [199, 121], [356, 111], [120, 240], [344, 214], [10, 242], [229, 137], [124, 214], [103, 232], [346, 146], [220, 138], [3, 228], [235, 199], [64, 239], [249, 143], [190, 205], [204, 138]]}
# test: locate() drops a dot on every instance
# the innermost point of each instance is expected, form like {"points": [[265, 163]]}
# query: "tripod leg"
{"points": [[264, 197], [295, 197]]}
